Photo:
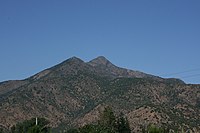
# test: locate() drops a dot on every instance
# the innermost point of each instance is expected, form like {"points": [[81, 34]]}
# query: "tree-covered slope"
{"points": [[74, 91]]}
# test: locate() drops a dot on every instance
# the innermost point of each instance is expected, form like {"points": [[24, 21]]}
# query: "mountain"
{"points": [[106, 68], [73, 93]]}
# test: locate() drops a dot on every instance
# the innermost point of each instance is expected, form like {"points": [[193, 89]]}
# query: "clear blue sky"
{"points": [[159, 37]]}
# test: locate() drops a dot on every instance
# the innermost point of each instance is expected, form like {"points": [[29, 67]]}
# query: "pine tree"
{"points": [[108, 119], [123, 124]]}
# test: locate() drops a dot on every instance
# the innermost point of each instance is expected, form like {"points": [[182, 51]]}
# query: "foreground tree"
{"points": [[108, 119], [123, 124], [108, 123], [29, 126]]}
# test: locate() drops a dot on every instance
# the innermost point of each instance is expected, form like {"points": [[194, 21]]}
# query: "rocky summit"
{"points": [[72, 93]]}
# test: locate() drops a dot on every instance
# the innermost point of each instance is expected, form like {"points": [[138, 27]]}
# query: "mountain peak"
{"points": [[72, 60], [75, 59], [101, 57], [100, 60]]}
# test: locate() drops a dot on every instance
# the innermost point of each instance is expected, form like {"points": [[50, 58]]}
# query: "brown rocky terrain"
{"points": [[73, 93]]}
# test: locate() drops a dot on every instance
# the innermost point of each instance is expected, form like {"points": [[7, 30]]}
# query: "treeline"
{"points": [[30, 126], [108, 123]]}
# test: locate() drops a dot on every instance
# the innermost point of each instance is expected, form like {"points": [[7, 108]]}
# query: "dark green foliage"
{"points": [[154, 129], [95, 129], [73, 130], [1, 130], [35, 129], [29, 126], [108, 123], [107, 118], [90, 128], [198, 102], [123, 124]]}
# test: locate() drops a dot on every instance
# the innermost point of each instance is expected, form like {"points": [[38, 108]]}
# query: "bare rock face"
{"points": [[73, 93]]}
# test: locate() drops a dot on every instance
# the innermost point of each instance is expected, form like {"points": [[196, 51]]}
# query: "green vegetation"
{"points": [[154, 129], [29, 126], [108, 123], [123, 124]]}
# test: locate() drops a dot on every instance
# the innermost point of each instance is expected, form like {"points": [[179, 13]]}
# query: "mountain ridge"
{"points": [[67, 93]]}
